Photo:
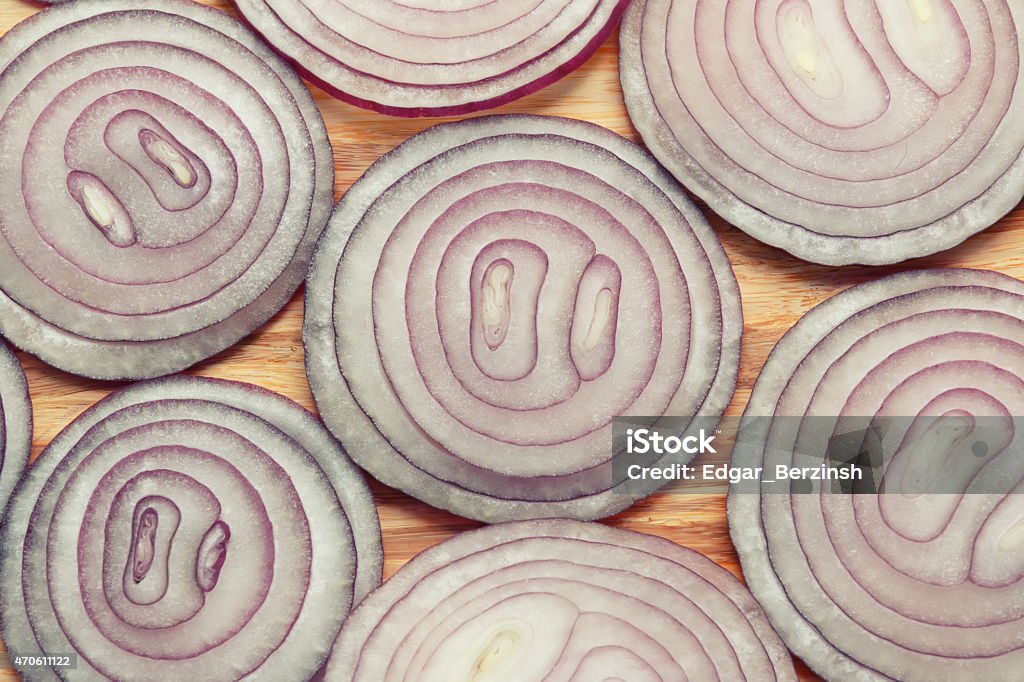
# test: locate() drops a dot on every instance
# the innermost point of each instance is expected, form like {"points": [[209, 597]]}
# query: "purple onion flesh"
{"points": [[187, 529], [918, 582], [433, 59], [165, 179], [842, 132], [15, 423], [491, 293], [559, 600]]}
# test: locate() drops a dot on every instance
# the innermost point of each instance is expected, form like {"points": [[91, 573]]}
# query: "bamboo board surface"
{"points": [[777, 289]]}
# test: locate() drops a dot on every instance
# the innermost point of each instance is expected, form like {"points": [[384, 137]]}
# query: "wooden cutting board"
{"points": [[777, 289]]}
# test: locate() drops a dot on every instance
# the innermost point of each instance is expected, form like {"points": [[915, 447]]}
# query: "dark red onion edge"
{"points": [[470, 107]]}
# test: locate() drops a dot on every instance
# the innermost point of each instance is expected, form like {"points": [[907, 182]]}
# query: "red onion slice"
{"points": [[842, 132], [559, 600], [15, 423], [491, 293], [188, 528], [916, 586], [167, 179], [433, 59]]}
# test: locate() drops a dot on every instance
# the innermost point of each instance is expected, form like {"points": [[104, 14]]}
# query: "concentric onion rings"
{"points": [[492, 293], [559, 600], [433, 59], [922, 586], [842, 132], [188, 528], [167, 177], [15, 423]]}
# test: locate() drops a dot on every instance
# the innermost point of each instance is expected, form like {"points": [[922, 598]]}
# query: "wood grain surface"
{"points": [[777, 289]]}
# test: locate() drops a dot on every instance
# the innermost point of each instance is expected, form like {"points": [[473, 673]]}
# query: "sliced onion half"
{"points": [[559, 600], [15, 423], [165, 179], [188, 529], [842, 132], [433, 58], [917, 583], [491, 293]]}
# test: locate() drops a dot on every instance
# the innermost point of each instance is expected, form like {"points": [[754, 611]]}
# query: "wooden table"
{"points": [[777, 289]]}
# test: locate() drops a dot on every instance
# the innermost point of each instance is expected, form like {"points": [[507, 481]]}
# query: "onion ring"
{"points": [[15, 423], [167, 177], [559, 600], [489, 295], [433, 59], [842, 132], [915, 583], [188, 528]]}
